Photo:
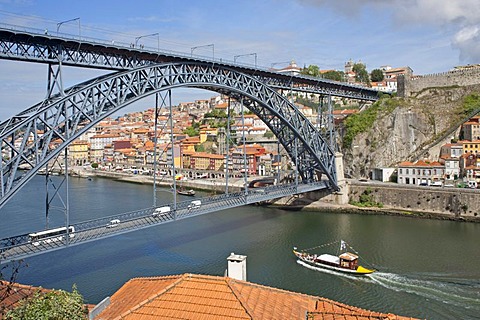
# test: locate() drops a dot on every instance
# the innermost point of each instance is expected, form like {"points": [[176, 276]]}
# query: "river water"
{"points": [[427, 268]]}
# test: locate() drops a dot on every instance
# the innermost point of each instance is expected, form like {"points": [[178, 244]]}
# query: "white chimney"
{"points": [[237, 267]]}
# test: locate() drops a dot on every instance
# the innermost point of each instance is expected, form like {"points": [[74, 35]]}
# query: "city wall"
{"points": [[408, 87], [444, 203]]}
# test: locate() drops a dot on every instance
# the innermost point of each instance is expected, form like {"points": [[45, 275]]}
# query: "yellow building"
{"points": [[470, 146], [205, 132], [78, 152], [188, 144], [206, 161]]}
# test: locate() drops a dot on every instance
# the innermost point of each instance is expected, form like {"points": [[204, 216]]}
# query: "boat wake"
{"points": [[443, 288], [459, 292]]}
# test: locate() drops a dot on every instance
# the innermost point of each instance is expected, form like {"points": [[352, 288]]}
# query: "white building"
{"points": [[421, 173]]}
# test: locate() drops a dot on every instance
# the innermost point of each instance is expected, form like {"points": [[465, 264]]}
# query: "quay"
{"points": [[459, 204]]}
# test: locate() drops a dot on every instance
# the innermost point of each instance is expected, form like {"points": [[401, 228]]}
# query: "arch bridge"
{"points": [[35, 136]]}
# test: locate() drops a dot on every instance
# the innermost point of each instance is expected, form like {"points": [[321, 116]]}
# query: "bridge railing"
{"points": [[123, 45], [157, 50], [24, 246]]}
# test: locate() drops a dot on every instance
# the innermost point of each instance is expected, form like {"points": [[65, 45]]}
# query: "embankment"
{"points": [[429, 202]]}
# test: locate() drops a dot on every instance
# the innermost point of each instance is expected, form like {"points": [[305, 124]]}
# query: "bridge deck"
{"points": [[20, 247], [24, 44]]}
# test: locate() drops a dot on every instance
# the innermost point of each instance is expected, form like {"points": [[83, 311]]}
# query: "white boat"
{"points": [[185, 192], [346, 262]]}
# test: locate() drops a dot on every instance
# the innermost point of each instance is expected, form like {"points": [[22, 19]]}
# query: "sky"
{"points": [[429, 36]]}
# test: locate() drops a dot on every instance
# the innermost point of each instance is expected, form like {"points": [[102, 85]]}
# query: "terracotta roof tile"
{"points": [[199, 297], [13, 293]]}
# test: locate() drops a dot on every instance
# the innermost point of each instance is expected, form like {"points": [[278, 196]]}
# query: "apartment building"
{"points": [[471, 129], [421, 173]]}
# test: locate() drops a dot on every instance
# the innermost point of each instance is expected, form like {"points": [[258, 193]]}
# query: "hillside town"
{"points": [[207, 146]]}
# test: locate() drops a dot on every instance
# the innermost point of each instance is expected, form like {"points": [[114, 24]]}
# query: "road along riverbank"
{"points": [[458, 204]]}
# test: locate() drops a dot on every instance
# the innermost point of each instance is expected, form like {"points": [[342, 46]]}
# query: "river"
{"points": [[427, 268]]}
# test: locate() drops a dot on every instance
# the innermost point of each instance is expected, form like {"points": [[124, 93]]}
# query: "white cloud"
{"points": [[459, 17], [467, 41]]}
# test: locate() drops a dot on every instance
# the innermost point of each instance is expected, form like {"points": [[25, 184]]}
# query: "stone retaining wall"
{"points": [[454, 203]]}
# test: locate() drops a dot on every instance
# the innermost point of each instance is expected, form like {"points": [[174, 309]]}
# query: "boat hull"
{"points": [[358, 271], [186, 192]]}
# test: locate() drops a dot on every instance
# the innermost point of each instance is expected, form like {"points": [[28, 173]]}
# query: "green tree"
{"points": [[268, 134], [193, 130], [56, 305], [361, 74], [311, 70], [377, 75], [471, 103], [94, 165], [334, 75]]}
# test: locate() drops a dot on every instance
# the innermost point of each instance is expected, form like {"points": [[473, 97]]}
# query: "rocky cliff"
{"points": [[408, 128]]}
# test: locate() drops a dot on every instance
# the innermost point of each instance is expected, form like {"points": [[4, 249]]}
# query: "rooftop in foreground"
{"points": [[191, 296]]}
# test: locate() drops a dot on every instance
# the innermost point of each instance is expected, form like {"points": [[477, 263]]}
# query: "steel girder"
{"points": [[41, 48], [38, 134], [19, 247]]}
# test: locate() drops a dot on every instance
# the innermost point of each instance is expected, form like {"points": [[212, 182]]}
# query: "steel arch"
{"points": [[35, 136]]}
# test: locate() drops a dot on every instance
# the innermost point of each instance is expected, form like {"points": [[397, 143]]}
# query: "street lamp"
{"points": [[71, 20], [207, 45], [150, 35], [244, 55]]}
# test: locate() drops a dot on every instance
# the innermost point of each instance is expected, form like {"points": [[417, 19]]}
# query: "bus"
{"points": [[51, 235]]}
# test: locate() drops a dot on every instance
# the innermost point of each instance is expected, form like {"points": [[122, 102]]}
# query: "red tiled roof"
{"points": [[420, 163], [12, 293], [191, 296]]}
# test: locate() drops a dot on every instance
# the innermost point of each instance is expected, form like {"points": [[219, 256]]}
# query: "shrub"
{"points": [[56, 304]]}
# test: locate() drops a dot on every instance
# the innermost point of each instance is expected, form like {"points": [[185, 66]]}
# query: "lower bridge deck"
{"points": [[27, 245]]}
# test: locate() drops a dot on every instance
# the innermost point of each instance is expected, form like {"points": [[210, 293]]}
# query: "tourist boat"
{"points": [[345, 261], [189, 192]]}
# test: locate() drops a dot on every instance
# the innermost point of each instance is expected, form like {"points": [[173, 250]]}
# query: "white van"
{"points": [[194, 204], [113, 223], [161, 211]]}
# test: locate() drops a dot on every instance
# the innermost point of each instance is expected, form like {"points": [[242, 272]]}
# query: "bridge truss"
{"points": [[34, 137], [36, 46]]}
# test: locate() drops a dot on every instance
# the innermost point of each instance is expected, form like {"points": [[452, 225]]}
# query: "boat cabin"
{"points": [[348, 260]]}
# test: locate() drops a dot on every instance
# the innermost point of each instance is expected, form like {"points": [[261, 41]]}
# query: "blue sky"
{"points": [[428, 35]]}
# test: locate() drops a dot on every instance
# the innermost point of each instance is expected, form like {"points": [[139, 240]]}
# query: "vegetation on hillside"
{"points": [[314, 71], [307, 102], [361, 73], [361, 122], [218, 118], [56, 304], [366, 199], [334, 75], [377, 75], [471, 103], [193, 130], [358, 123]]}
